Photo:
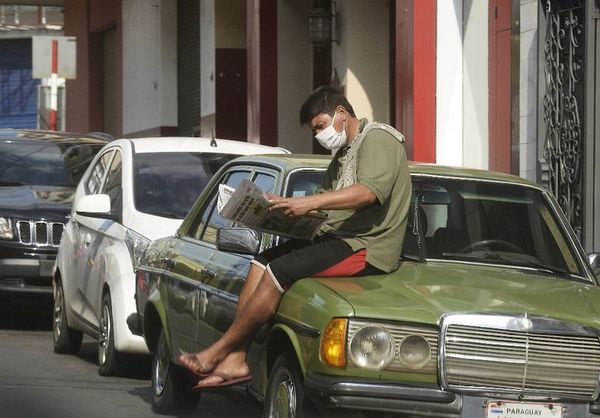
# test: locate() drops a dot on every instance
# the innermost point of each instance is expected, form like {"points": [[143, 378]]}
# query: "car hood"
{"points": [[35, 201], [424, 292]]}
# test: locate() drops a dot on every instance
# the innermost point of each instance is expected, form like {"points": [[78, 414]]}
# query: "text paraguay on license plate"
{"points": [[502, 409]]}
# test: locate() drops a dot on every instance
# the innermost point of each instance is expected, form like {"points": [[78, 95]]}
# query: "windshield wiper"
{"points": [[10, 183], [166, 214], [543, 268]]}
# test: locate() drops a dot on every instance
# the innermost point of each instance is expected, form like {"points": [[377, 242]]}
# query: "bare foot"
{"points": [[201, 363], [233, 366]]}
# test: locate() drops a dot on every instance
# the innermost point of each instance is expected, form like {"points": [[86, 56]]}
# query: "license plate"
{"points": [[507, 409]]}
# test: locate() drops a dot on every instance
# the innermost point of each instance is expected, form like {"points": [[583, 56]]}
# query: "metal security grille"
{"points": [[488, 359], [563, 106], [400, 332], [40, 233]]}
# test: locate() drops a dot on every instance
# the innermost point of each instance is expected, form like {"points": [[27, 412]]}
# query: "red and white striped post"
{"points": [[53, 87]]}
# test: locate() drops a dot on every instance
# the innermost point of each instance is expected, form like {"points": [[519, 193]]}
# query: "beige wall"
{"points": [[149, 65], [230, 24], [362, 57], [294, 63]]}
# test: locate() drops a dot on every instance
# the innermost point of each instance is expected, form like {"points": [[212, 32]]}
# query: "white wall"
{"points": [[527, 90], [362, 57], [207, 67], [149, 64], [462, 102], [449, 83], [475, 84], [294, 64]]}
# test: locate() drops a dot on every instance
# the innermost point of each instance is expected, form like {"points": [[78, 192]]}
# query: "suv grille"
{"points": [[480, 358], [40, 232]]}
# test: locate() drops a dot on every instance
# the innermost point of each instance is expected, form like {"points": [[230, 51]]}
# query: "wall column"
{"points": [[262, 71]]}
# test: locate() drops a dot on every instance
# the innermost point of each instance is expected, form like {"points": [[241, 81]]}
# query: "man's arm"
{"points": [[351, 197]]}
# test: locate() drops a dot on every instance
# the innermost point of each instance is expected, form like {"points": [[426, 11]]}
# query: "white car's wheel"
{"points": [[66, 340], [108, 357]]}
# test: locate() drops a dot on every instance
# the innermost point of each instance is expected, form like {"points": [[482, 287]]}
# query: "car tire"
{"points": [[171, 385], [108, 357], [66, 340], [285, 391]]}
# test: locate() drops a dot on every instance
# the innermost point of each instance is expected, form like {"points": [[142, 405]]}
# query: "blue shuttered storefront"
{"points": [[18, 90]]}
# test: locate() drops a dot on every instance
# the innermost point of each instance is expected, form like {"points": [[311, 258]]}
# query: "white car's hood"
{"points": [[153, 227]]}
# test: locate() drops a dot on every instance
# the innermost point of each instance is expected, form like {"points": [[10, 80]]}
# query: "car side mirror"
{"points": [[95, 206], [238, 240], [594, 260]]}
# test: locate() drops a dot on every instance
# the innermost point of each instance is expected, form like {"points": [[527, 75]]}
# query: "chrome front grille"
{"points": [[400, 332], [530, 361], [40, 233]]}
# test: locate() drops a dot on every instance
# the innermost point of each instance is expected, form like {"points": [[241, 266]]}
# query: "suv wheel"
{"points": [[171, 385], [66, 340], [285, 391], [108, 357]]}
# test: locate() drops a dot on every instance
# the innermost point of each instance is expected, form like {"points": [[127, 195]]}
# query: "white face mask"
{"points": [[330, 138]]}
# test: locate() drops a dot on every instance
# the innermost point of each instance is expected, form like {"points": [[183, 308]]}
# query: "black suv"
{"points": [[38, 174]]}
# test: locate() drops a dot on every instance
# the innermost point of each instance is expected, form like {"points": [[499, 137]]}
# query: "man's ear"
{"points": [[342, 111]]}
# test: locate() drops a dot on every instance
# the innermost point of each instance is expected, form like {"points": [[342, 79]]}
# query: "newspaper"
{"points": [[249, 206]]}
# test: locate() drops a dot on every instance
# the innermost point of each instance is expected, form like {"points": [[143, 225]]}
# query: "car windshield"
{"points": [[167, 184], [486, 222], [29, 162]]}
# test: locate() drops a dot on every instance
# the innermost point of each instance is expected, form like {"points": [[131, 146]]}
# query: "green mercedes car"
{"points": [[494, 311]]}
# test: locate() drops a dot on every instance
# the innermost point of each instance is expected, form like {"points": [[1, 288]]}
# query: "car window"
{"points": [[486, 222], [265, 181], [209, 222], [94, 181], [112, 186], [304, 183], [168, 183], [29, 162]]}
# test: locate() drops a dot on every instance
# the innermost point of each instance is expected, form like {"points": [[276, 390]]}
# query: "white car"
{"points": [[133, 192]]}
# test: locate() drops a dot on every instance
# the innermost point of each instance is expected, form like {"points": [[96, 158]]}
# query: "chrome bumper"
{"points": [[337, 392], [376, 396]]}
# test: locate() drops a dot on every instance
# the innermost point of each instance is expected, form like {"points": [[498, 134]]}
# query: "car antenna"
{"points": [[213, 141], [417, 228]]}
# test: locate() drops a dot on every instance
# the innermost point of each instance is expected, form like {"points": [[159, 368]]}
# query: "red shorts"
{"points": [[327, 256]]}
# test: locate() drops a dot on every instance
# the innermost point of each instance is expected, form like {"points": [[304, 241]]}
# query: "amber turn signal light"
{"points": [[333, 343]]}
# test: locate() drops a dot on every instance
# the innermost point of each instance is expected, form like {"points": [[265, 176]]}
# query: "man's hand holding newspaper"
{"points": [[250, 206]]}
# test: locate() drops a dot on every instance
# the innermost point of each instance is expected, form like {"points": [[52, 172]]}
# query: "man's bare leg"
{"points": [[228, 354]]}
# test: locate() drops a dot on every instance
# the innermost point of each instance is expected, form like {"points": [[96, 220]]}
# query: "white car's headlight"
{"points": [[414, 352], [6, 231], [372, 347], [136, 244]]}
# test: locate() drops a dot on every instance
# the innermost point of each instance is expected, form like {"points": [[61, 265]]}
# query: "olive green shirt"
{"points": [[379, 228]]}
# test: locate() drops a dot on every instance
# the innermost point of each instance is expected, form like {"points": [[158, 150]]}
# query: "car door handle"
{"points": [[169, 262], [208, 273]]}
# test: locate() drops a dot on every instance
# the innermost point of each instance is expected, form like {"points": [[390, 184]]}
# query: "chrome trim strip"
{"points": [[297, 326]]}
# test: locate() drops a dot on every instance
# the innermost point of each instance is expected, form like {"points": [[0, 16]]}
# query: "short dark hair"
{"points": [[323, 99]]}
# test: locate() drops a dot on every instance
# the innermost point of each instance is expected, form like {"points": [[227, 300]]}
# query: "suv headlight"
{"points": [[6, 230], [372, 347], [136, 244]]}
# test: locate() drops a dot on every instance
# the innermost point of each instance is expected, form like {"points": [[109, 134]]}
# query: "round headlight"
{"points": [[6, 231], [372, 347], [414, 352]]}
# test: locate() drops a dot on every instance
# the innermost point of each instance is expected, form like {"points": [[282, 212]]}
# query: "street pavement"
{"points": [[35, 382]]}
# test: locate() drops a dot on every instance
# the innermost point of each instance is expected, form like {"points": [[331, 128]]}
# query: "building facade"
{"points": [[470, 83]]}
